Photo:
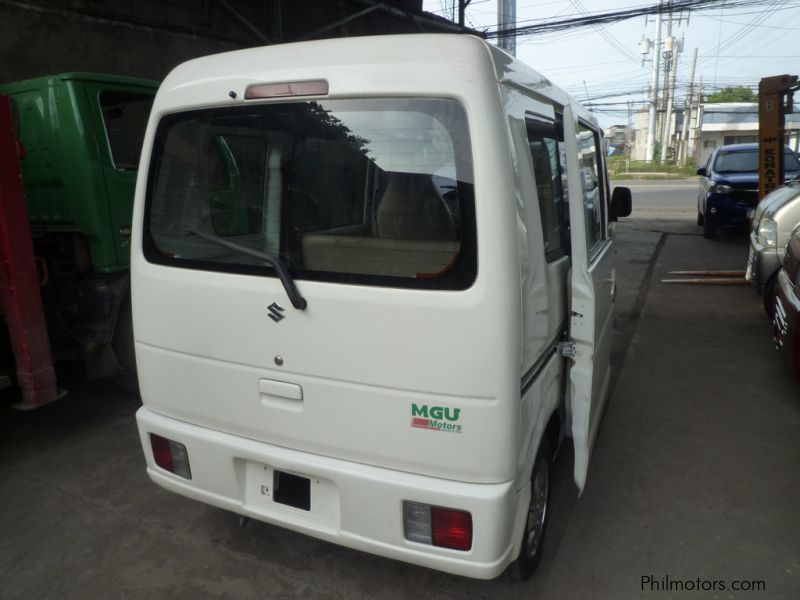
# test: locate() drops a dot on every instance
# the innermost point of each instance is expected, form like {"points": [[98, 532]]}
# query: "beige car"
{"points": [[775, 218]]}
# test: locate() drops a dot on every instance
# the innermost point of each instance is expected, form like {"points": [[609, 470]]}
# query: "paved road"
{"points": [[694, 474], [664, 199]]}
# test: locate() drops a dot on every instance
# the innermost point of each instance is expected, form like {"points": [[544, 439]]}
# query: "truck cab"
{"points": [[82, 134]]}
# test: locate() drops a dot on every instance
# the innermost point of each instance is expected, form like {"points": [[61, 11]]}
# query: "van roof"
{"points": [[426, 64]]}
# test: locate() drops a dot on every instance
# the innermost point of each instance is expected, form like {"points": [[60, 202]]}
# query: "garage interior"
{"points": [[695, 472]]}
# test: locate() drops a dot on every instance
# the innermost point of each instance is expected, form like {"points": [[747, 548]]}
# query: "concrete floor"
{"points": [[694, 476]]}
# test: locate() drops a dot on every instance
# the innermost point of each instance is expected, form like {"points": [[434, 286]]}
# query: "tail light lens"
{"points": [[170, 456], [289, 88], [452, 528], [437, 526]]}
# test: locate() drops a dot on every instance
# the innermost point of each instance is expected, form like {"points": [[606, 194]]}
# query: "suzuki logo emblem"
{"points": [[275, 311]]}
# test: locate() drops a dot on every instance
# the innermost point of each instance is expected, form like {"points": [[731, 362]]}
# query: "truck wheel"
{"points": [[709, 231], [123, 347], [769, 296], [530, 552]]}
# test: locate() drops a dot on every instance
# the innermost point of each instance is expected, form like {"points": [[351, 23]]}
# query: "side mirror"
{"points": [[701, 171], [621, 203]]}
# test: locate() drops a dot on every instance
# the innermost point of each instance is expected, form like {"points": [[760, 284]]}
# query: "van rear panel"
{"points": [[360, 372]]}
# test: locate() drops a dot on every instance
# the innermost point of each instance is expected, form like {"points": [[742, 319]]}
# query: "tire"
{"points": [[530, 552], [700, 219], [709, 231], [123, 348], [768, 296]]}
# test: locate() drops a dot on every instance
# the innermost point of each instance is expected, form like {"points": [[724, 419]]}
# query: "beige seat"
{"points": [[411, 209], [414, 236]]}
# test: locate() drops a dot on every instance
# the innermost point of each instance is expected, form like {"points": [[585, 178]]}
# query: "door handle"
{"points": [[279, 394]]}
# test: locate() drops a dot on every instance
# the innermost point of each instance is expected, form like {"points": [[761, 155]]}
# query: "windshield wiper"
{"points": [[275, 262]]}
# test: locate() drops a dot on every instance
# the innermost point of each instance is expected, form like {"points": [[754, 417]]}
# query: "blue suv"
{"points": [[729, 186]]}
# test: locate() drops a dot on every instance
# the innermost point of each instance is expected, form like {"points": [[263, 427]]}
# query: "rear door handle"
{"points": [[280, 394]]}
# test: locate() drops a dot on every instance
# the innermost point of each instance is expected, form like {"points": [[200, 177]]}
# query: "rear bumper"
{"points": [[354, 505]]}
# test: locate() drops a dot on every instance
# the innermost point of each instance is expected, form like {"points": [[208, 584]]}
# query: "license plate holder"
{"points": [[291, 490]]}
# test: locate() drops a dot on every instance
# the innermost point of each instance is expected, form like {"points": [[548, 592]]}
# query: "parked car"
{"points": [[728, 193], [786, 319], [775, 218]]}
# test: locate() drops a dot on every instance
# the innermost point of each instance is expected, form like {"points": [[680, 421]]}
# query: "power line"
{"points": [[550, 24], [604, 34]]}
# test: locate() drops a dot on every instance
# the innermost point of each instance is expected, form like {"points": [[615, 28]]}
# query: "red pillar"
{"points": [[20, 298]]}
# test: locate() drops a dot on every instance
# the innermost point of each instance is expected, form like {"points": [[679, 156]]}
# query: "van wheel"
{"points": [[769, 296], [530, 552], [709, 231], [700, 219]]}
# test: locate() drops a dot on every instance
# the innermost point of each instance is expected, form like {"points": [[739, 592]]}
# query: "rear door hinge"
{"points": [[567, 348]]}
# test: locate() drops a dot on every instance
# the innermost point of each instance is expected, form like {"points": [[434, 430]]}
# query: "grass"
{"points": [[620, 168]]}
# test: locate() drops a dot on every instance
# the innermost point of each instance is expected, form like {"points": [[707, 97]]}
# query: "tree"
{"points": [[739, 93]]}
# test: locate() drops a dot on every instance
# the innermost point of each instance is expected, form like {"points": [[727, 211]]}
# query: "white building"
{"points": [[721, 124]]}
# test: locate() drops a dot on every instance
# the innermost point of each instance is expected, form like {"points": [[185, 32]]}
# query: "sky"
{"points": [[736, 46]]}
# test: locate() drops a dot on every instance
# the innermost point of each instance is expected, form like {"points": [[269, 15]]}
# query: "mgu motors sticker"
{"points": [[437, 418]]}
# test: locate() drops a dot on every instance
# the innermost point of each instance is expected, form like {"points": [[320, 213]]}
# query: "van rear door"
{"points": [[593, 288], [368, 203]]}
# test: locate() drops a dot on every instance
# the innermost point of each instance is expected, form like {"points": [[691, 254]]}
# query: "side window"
{"points": [[125, 117], [545, 141], [592, 186]]}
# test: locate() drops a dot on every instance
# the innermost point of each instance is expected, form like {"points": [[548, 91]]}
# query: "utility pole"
{"points": [[651, 117], [668, 55], [507, 19], [683, 149], [694, 142], [628, 133], [462, 9], [670, 98]]}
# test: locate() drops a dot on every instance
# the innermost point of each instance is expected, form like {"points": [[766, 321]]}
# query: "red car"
{"points": [[786, 319]]}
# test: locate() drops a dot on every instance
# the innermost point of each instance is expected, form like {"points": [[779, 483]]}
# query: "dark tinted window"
{"points": [[125, 118], [746, 161], [376, 191], [545, 141], [589, 161]]}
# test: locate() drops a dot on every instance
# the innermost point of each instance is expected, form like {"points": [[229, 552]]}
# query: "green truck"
{"points": [[82, 134]]}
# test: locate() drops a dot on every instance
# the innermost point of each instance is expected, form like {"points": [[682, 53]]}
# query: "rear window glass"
{"points": [[747, 161], [125, 117], [374, 191]]}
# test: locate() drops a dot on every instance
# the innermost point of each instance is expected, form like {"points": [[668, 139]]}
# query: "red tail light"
{"points": [[170, 456], [437, 526], [161, 453], [451, 528]]}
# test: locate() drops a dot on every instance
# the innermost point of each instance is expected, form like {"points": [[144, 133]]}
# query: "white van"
{"points": [[356, 280]]}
